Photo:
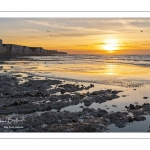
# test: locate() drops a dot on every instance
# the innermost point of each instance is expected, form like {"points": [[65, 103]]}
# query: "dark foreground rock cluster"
{"points": [[43, 95], [143, 109], [35, 106]]}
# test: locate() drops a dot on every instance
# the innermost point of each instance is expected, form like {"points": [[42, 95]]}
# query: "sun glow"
{"points": [[110, 45]]}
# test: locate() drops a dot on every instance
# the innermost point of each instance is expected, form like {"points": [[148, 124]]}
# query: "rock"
{"points": [[95, 93], [81, 106], [32, 121], [120, 119], [139, 118], [88, 109], [74, 120], [88, 128], [131, 106], [62, 91], [109, 90], [82, 94], [44, 125], [114, 91], [16, 103], [49, 118], [123, 95], [18, 75], [65, 121], [26, 108], [145, 97], [59, 121], [130, 119], [38, 87], [145, 104], [114, 105], [1, 67], [137, 112], [101, 128], [87, 102], [91, 85], [99, 113]]}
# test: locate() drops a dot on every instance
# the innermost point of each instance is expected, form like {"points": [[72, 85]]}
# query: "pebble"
{"points": [[123, 95], [81, 106]]}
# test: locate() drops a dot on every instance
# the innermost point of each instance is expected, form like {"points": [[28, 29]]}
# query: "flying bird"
{"points": [[50, 35], [47, 31]]}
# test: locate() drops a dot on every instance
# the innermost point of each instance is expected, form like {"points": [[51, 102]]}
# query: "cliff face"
{"points": [[1, 46], [18, 49]]}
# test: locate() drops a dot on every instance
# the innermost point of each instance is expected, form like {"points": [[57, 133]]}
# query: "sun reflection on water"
{"points": [[111, 69]]}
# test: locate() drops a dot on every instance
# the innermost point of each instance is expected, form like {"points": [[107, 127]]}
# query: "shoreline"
{"points": [[43, 100]]}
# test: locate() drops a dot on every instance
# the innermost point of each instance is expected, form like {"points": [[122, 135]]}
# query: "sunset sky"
{"points": [[79, 35]]}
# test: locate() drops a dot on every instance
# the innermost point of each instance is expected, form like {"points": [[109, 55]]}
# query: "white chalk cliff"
{"points": [[18, 49]]}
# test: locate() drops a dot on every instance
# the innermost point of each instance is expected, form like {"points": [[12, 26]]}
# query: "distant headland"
{"points": [[18, 49]]}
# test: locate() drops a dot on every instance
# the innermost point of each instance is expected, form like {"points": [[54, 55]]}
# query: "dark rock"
{"points": [[65, 121], [95, 93], [123, 95], [118, 118], [74, 120], [26, 108], [49, 118], [139, 118], [145, 104], [91, 85], [1, 67], [130, 119], [87, 101], [62, 91], [18, 75], [81, 106], [131, 106], [33, 122]]}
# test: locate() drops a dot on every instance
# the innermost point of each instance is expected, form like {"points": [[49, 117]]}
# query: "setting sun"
{"points": [[111, 45]]}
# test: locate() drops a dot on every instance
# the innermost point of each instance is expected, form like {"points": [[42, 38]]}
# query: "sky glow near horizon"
{"points": [[79, 35]]}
